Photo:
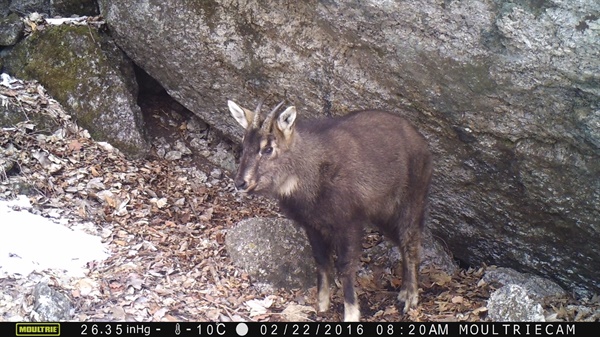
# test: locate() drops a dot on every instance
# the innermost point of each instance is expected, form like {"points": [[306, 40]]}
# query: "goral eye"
{"points": [[267, 150]]}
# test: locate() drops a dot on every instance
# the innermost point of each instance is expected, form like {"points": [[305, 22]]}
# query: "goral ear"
{"points": [[286, 122], [242, 115]]}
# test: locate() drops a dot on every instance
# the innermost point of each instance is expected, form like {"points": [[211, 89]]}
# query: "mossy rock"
{"points": [[11, 30], [89, 76]]}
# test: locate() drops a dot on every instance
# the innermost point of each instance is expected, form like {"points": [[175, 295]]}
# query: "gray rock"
{"points": [[90, 77], [74, 7], [53, 8], [11, 30], [511, 303], [537, 287], [272, 251], [4, 8], [50, 305], [506, 92], [30, 6]]}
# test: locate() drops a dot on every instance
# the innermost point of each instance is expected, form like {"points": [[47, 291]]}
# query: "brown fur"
{"points": [[333, 176]]}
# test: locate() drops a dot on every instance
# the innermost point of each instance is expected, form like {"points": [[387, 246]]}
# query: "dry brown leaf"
{"points": [[114, 285], [85, 286], [220, 238], [259, 307], [75, 145], [391, 310], [159, 314], [169, 318], [207, 215], [297, 313], [457, 299], [117, 313], [94, 172], [440, 278], [479, 310], [396, 282]]}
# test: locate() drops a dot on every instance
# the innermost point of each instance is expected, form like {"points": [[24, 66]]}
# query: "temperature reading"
{"points": [[217, 329]]}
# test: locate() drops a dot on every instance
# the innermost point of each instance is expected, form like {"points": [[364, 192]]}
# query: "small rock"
{"points": [[181, 147], [511, 303], [173, 155], [272, 251], [49, 304], [36, 17], [11, 30], [216, 173], [537, 287], [196, 125]]}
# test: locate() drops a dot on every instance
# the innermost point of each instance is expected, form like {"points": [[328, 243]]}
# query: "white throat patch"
{"points": [[288, 186]]}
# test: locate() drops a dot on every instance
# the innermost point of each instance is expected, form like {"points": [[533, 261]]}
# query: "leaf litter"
{"points": [[164, 220]]}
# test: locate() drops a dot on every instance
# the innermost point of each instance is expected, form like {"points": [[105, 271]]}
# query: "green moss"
{"points": [[48, 57], [52, 60], [80, 68]]}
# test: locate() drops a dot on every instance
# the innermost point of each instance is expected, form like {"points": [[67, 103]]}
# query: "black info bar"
{"points": [[255, 329]]}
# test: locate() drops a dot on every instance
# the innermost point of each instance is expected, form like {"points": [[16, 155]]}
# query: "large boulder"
{"points": [[273, 252], [506, 91], [88, 74]]}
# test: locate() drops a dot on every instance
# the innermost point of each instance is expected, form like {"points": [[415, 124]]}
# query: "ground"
{"points": [[164, 222]]}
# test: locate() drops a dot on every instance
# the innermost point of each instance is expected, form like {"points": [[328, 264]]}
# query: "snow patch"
{"points": [[30, 242]]}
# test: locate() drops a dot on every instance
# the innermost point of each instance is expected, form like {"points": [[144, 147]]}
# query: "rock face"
{"points": [[81, 69], [55, 7], [507, 92]]}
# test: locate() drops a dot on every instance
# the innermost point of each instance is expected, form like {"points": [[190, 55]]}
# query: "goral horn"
{"points": [[271, 115]]}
